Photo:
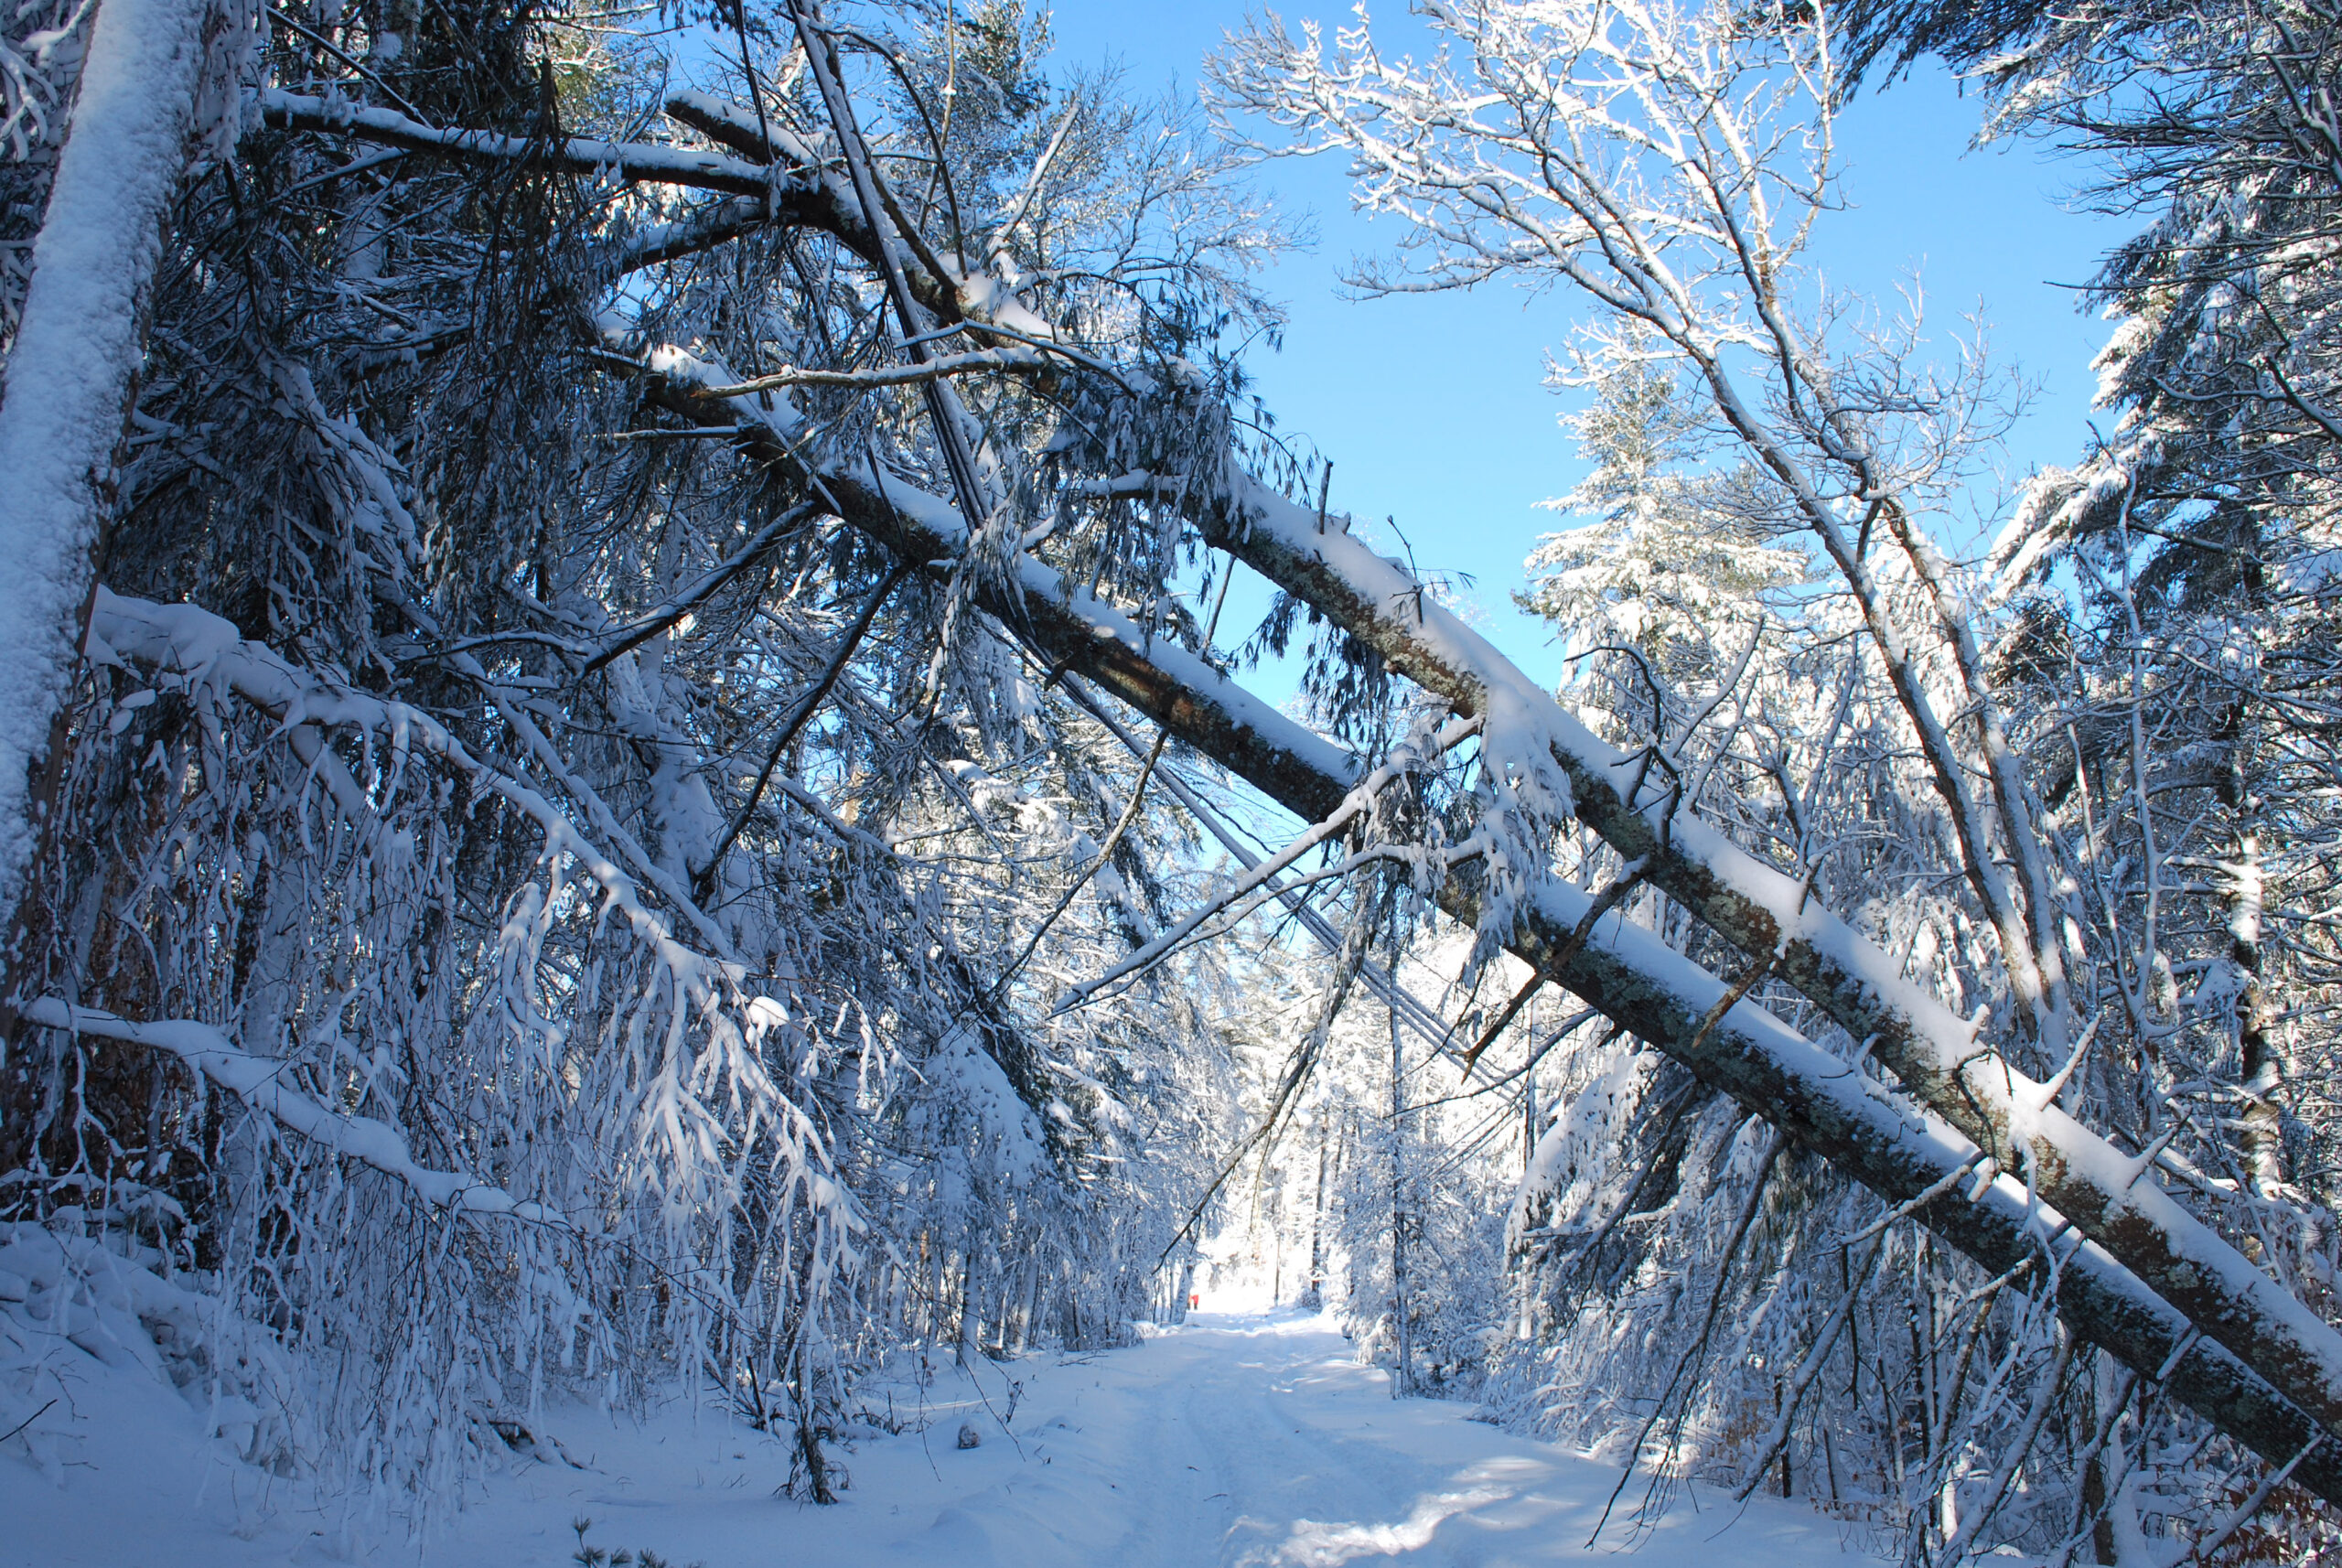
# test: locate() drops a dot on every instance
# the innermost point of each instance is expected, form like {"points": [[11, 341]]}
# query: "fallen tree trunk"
{"points": [[1899, 1151], [2108, 1194]]}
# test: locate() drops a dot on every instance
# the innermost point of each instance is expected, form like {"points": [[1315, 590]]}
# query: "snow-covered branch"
{"points": [[260, 1083], [650, 162]]}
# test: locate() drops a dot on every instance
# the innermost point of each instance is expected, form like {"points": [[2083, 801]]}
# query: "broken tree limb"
{"points": [[791, 187], [260, 1082], [651, 163]]}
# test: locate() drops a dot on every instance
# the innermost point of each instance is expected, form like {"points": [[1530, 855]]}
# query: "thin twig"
{"points": [[1122, 826], [27, 1422], [1690, 1359], [706, 880]]}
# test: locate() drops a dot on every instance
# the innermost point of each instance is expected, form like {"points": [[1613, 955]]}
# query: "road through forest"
{"points": [[1238, 1439], [1260, 1440]]}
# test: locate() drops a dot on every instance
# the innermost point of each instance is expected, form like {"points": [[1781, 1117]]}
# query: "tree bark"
{"points": [[2261, 1132], [74, 367]]}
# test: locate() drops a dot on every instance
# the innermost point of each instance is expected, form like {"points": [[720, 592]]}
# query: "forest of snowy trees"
{"points": [[625, 762]]}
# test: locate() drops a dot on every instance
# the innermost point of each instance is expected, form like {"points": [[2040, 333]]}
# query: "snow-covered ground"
{"points": [[1242, 1437]]}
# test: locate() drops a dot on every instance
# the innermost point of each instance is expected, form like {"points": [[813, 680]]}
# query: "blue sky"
{"points": [[1433, 408]]}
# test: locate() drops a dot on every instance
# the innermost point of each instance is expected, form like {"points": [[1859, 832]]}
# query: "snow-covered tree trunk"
{"points": [[1872, 1135], [1315, 1298], [1403, 1303], [75, 363]]}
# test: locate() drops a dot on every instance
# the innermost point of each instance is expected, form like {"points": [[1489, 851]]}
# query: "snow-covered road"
{"points": [[1260, 1440], [1248, 1440]]}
